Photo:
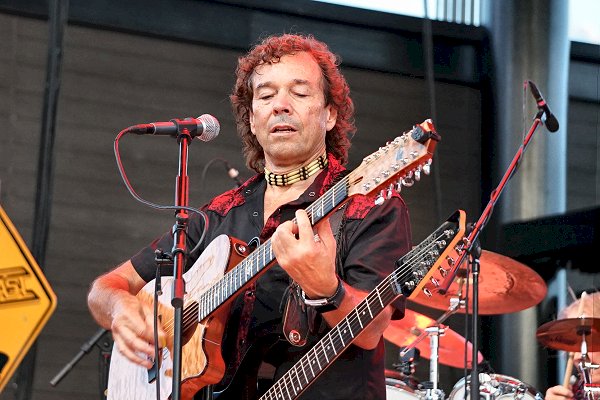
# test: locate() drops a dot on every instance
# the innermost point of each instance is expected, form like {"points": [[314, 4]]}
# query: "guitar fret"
{"points": [[304, 371], [311, 368], [296, 389], [325, 354], [379, 297], [317, 357], [332, 345], [247, 269], [288, 391], [368, 307], [349, 328], [359, 321], [341, 337]]}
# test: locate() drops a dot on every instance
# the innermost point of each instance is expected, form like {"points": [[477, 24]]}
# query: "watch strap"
{"points": [[327, 304]]}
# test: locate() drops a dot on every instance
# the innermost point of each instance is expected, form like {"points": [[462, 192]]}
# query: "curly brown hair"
{"points": [[335, 88]]}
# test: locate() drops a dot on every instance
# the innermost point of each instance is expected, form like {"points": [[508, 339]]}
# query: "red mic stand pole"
{"points": [[179, 254], [473, 250]]}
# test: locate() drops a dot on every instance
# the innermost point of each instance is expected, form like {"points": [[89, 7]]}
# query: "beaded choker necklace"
{"points": [[300, 174]]}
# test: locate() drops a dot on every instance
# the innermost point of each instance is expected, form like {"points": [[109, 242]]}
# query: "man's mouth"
{"points": [[283, 128]]}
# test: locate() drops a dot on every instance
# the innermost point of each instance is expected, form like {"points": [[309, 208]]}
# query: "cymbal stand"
{"points": [[434, 332], [433, 392], [584, 366], [455, 304]]}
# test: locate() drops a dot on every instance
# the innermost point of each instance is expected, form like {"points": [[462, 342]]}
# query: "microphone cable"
{"points": [[201, 213]]}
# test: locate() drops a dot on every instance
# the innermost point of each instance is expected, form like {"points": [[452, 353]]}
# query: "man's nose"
{"points": [[281, 104]]}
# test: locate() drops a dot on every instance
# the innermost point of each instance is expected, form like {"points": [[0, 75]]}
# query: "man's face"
{"points": [[289, 116]]}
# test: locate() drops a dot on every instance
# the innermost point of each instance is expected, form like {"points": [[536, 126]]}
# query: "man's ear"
{"points": [[251, 119], [331, 117]]}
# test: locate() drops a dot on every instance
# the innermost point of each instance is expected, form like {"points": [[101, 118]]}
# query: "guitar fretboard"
{"points": [[262, 257], [411, 268]]}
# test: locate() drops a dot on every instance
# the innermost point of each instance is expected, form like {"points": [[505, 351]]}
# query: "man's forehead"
{"points": [[301, 68]]}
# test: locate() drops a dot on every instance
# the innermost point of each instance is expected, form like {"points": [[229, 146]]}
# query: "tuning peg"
{"points": [[399, 185], [427, 167], [418, 174], [379, 200], [443, 272], [390, 191], [408, 181]]}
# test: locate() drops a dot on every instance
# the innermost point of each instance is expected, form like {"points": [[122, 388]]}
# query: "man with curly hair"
{"points": [[294, 115]]}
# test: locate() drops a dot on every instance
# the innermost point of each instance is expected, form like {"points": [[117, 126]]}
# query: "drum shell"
{"points": [[397, 389], [496, 387]]}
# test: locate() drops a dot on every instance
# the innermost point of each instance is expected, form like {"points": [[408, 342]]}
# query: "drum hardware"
{"points": [[406, 367], [591, 391], [432, 390], [420, 327], [496, 387], [409, 332]]}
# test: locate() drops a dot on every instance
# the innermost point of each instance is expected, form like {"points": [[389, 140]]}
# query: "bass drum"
{"points": [[396, 389], [496, 387]]}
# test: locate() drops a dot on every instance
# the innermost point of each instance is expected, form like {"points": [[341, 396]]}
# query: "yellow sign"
{"points": [[26, 299]]}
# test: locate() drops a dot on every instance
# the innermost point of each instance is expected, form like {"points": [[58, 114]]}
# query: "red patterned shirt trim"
{"points": [[223, 203]]}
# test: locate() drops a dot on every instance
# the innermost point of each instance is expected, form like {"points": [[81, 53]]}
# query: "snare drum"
{"points": [[496, 387], [398, 390]]}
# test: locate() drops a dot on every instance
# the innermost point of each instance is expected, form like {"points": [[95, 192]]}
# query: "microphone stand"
{"points": [[85, 349], [179, 252], [473, 250]]}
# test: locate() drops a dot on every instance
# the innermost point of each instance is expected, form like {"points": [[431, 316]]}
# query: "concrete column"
{"points": [[529, 42]]}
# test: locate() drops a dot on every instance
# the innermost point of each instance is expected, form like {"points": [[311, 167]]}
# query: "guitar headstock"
{"points": [[438, 257], [399, 163]]}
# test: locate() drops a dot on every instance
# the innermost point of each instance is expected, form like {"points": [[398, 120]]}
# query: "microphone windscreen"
{"points": [[210, 127]]}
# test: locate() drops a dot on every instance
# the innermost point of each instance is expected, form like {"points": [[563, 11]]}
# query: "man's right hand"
{"points": [[558, 393], [133, 330], [113, 303]]}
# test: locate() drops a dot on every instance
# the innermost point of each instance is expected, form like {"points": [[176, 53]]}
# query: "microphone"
{"points": [[205, 127], [551, 121], [233, 173]]}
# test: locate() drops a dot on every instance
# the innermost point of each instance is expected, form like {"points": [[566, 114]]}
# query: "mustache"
{"points": [[283, 120]]}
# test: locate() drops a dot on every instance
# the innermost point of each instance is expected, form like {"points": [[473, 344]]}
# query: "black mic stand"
{"points": [[85, 349], [473, 250]]}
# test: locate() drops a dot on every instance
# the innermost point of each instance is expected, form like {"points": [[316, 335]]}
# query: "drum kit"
{"points": [[506, 286]]}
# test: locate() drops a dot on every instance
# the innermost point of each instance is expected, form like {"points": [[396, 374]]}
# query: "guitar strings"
{"points": [[351, 320], [207, 298], [302, 363]]}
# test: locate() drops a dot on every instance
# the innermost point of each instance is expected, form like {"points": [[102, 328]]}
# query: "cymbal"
{"points": [[505, 286], [567, 334], [451, 345]]}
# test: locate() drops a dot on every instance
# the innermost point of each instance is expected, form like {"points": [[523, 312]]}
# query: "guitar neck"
{"points": [[412, 269], [405, 157], [262, 258]]}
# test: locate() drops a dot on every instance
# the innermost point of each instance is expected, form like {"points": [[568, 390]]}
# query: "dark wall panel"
{"points": [[109, 83]]}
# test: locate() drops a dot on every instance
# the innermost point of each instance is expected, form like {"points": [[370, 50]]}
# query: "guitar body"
{"points": [[202, 363]]}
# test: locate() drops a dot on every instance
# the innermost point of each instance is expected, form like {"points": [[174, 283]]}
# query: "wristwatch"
{"points": [[329, 303]]}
